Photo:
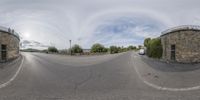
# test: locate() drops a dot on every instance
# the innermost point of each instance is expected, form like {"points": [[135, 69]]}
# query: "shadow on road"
{"points": [[169, 67]]}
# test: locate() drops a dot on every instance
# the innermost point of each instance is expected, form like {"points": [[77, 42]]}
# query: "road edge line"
{"points": [[163, 88], [15, 75]]}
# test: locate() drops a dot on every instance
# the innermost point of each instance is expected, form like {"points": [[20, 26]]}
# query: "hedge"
{"points": [[154, 48]]}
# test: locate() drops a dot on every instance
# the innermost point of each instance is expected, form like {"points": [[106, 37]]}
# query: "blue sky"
{"points": [[43, 23]]}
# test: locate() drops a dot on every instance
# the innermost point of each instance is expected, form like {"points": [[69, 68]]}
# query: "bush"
{"points": [[98, 48], [124, 49], [154, 48], [146, 41], [120, 49], [76, 49], [114, 49], [53, 49], [105, 49], [131, 47]]}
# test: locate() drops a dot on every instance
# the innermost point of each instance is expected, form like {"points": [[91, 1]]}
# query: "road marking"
{"points": [[15, 75], [164, 88]]}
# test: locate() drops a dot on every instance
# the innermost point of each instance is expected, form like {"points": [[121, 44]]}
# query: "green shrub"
{"points": [[53, 49], [76, 49], [154, 48], [105, 49], [146, 41], [98, 48], [124, 49], [131, 47], [114, 49]]}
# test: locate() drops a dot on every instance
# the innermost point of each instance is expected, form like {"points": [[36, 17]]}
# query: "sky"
{"points": [[43, 23]]}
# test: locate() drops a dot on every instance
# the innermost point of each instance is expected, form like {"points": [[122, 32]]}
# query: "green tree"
{"points": [[119, 49], [154, 48], [131, 47], [105, 49], [114, 49], [146, 41], [76, 49], [52, 49], [98, 48]]}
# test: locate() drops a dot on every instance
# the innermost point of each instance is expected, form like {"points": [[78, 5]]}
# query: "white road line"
{"points": [[164, 88], [17, 72]]}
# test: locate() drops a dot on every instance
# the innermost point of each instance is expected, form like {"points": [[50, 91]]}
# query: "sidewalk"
{"points": [[8, 69]]}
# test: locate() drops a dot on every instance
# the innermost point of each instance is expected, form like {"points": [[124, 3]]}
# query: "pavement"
{"points": [[125, 76], [171, 76], [8, 69]]}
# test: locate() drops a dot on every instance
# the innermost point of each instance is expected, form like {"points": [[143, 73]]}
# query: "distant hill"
{"points": [[30, 50]]}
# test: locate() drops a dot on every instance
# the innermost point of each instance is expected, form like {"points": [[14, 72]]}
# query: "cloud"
{"points": [[25, 44], [110, 22], [128, 29]]}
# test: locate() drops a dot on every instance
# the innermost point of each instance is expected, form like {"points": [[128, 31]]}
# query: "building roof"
{"points": [[9, 31], [181, 28]]}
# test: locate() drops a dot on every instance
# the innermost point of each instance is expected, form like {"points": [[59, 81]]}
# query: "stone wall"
{"points": [[187, 45], [12, 43]]}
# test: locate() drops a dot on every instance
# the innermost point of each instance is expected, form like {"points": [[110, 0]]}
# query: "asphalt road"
{"points": [[125, 76]]}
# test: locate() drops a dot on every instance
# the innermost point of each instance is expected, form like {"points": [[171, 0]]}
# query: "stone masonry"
{"points": [[187, 45], [11, 40]]}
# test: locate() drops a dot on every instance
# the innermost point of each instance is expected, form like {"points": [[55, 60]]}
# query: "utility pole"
{"points": [[70, 41]]}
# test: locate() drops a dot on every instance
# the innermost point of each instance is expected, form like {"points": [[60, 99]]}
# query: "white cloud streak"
{"points": [[58, 21]]}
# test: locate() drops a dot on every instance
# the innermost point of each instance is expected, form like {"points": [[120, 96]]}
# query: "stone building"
{"points": [[9, 44], [181, 44]]}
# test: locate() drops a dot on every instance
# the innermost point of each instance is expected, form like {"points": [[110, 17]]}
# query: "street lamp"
{"points": [[70, 47]]}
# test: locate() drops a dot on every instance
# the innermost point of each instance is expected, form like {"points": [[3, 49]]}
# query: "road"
{"points": [[125, 76]]}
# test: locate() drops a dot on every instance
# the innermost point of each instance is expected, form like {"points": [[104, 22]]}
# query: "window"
{"points": [[3, 47]]}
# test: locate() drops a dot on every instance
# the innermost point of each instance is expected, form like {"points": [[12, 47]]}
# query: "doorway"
{"points": [[173, 52], [3, 52]]}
